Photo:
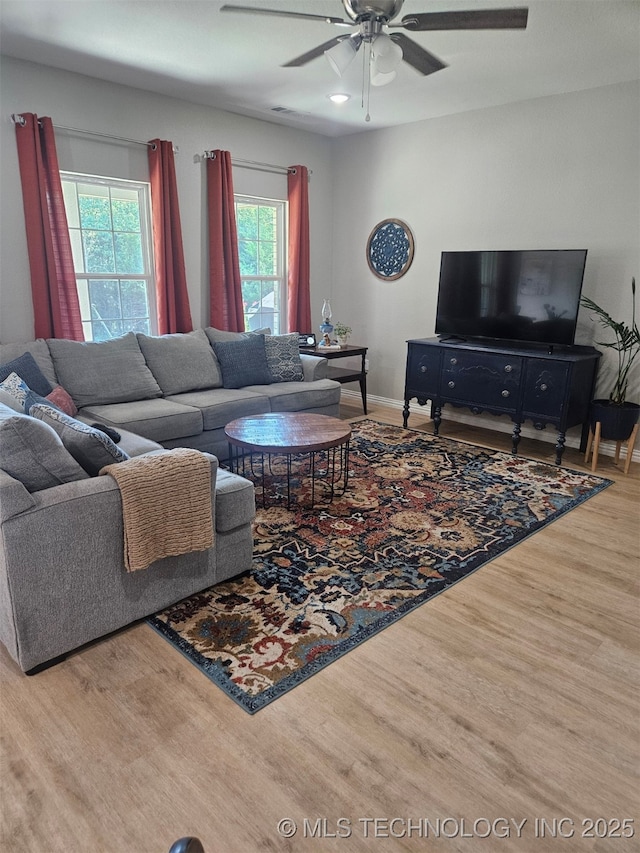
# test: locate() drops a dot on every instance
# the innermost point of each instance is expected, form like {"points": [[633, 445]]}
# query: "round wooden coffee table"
{"points": [[275, 447]]}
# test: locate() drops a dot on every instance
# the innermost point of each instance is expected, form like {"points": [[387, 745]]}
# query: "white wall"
{"points": [[82, 102], [556, 172]]}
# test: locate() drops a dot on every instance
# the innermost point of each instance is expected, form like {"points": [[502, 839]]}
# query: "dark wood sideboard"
{"points": [[540, 384]]}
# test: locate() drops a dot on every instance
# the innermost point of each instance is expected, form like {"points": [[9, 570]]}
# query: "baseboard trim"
{"points": [[493, 422]]}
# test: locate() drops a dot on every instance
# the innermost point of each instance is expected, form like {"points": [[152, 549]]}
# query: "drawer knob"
{"points": [[506, 393], [454, 361], [508, 368], [451, 384], [544, 386], [423, 369]]}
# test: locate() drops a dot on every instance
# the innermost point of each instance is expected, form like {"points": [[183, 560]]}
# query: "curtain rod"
{"points": [[18, 119], [252, 164]]}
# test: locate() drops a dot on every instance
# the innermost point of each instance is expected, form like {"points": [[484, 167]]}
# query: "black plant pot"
{"points": [[617, 419]]}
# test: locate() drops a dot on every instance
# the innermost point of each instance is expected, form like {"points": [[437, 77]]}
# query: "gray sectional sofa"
{"points": [[62, 577]]}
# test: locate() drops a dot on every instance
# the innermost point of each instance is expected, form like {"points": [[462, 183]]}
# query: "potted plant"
{"points": [[342, 333], [617, 415]]}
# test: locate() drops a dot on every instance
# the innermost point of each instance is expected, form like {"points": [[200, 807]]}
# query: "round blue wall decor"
{"points": [[390, 249]]}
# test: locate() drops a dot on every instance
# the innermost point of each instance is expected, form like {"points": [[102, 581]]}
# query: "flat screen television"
{"points": [[529, 295]]}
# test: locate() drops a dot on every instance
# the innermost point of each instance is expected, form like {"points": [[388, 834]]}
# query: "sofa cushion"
{"points": [[91, 448], [220, 335], [27, 369], [300, 396], [235, 502], [243, 362], [181, 362], [135, 445], [283, 358], [97, 372], [222, 405], [159, 420], [32, 452], [40, 352]]}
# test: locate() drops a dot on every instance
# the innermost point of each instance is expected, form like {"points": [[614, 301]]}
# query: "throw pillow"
{"points": [[33, 399], [16, 387], [31, 452], [243, 362], [181, 361], [63, 401], [90, 447], [24, 397], [27, 369], [9, 400], [283, 358], [102, 372]]}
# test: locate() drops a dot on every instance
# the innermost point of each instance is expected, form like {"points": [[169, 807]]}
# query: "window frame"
{"points": [[282, 246], [143, 189]]}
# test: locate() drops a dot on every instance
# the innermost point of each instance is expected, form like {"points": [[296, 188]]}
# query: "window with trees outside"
{"points": [[262, 251], [110, 230]]}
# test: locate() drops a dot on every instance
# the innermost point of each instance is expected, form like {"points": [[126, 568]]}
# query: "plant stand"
{"points": [[593, 443]]}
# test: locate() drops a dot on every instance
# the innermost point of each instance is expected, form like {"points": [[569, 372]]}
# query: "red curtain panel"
{"points": [[56, 308], [299, 298], [225, 287], [174, 313]]}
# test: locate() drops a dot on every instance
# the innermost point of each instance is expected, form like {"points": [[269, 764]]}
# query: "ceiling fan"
{"points": [[372, 17]]}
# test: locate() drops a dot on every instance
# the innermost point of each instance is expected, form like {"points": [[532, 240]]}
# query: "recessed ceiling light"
{"points": [[338, 98]]}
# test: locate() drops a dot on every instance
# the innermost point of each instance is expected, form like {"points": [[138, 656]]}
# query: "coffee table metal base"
{"points": [[326, 470], [280, 449]]}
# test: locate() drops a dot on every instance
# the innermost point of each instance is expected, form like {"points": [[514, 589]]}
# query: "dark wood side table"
{"points": [[345, 374]]}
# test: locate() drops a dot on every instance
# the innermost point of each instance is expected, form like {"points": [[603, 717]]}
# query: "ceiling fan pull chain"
{"points": [[368, 80]]}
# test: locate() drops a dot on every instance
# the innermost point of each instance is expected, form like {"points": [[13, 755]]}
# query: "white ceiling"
{"points": [[188, 49]]}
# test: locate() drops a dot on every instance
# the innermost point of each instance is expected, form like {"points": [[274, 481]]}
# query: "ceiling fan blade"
{"points": [[313, 54], [253, 10], [416, 56], [472, 19]]}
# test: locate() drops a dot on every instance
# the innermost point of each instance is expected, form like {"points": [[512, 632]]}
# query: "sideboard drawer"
{"points": [[488, 379], [423, 371]]}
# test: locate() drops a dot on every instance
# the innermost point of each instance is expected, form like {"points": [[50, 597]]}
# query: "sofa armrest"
{"points": [[314, 366]]}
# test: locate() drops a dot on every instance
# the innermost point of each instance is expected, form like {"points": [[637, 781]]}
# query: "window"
{"points": [[261, 248], [109, 226]]}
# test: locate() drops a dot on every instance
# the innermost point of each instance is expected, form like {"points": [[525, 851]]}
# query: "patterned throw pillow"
{"points": [[283, 358], [16, 387], [243, 362], [90, 447], [25, 397], [27, 369]]}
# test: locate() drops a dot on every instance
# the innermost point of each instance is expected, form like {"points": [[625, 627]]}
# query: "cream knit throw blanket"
{"points": [[166, 505]]}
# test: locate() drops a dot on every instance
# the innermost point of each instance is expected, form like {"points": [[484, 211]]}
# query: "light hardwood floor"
{"points": [[511, 697]]}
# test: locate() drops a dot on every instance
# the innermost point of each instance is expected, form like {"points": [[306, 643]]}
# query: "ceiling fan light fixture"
{"points": [[380, 79], [341, 55], [386, 54], [339, 97]]}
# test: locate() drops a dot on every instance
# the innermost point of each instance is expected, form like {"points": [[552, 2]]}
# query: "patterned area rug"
{"points": [[420, 513]]}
